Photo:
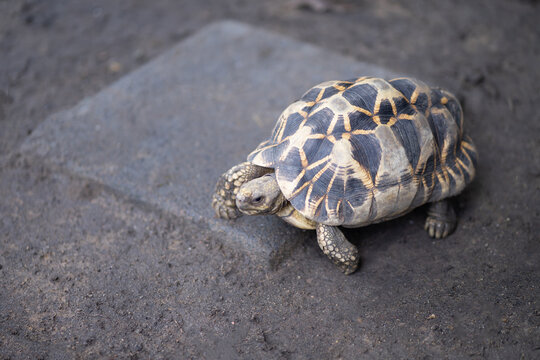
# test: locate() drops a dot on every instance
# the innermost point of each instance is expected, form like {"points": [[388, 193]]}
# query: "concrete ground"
{"points": [[88, 271]]}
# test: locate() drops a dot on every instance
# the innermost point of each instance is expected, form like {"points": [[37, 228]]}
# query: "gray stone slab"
{"points": [[163, 134]]}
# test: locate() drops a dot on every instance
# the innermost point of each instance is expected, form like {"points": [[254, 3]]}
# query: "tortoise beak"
{"points": [[243, 197]]}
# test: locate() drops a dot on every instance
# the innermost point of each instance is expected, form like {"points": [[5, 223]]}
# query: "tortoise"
{"points": [[353, 153]]}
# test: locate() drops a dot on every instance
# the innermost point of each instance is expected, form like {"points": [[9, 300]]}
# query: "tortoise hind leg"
{"points": [[441, 219], [224, 199], [334, 244]]}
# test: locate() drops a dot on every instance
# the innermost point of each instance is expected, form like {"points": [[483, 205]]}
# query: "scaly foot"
{"points": [[334, 244], [441, 219]]}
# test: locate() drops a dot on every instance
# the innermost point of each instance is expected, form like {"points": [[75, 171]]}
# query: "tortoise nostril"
{"points": [[243, 197]]}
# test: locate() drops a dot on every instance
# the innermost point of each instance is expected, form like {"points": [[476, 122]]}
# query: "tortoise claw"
{"points": [[441, 220], [437, 228]]}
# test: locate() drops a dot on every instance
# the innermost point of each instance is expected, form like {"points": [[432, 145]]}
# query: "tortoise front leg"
{"points": [[334, 244], [441, 219], [224, 199]]}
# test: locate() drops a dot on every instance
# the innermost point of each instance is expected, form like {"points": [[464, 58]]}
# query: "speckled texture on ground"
{"points": [[86, 273]]}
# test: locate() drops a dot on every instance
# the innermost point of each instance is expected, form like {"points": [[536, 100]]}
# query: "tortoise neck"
{"points": [[280, 204], [292, 216]]}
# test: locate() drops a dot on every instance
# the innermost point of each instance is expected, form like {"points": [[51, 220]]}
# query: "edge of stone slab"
{"points": [[223, 231], [35, 152], [244, 28], [236, 239]]}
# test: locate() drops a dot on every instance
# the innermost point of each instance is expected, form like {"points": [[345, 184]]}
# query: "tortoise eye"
{"points": [[258, 199]]}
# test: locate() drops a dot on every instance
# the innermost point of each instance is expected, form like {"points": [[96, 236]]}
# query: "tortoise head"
{"points": [[260, 196]]}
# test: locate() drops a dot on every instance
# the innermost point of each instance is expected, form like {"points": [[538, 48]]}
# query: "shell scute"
{"points": [[292, 124], [405, 132], [329, 91], [361, 121], [311, 95], [362, 95], [367, 152]]}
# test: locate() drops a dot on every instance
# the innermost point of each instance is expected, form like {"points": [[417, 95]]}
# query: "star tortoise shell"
{"points": [[362, 151]]}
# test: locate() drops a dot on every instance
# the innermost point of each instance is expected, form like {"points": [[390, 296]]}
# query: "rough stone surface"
{"points": [[163, 134]]}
